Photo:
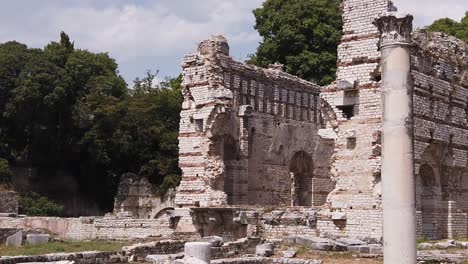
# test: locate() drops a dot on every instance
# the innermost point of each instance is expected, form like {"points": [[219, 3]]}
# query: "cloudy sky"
{"points": [[155, 34]]}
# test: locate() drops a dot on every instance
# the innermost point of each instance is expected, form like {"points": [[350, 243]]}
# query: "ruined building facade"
{"points": [[261, 138]]}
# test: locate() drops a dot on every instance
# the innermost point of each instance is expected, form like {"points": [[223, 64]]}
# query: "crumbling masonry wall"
{"points": [[136, 197], [440, 74], [439, 71], [355, 100], [249, 136]]}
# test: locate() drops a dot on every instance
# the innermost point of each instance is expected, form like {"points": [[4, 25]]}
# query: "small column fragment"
{"points": [[398, 183]]}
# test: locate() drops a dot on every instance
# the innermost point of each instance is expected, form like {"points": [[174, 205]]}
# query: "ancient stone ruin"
{"points": [[260, 138], [265, 154]]}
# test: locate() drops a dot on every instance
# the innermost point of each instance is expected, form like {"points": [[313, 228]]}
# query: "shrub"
{"points": [[5, 173], [33, 204], [170, 181]]}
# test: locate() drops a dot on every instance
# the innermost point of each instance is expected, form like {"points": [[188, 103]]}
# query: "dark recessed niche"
{"points": [[348, 111], [351, 143]]}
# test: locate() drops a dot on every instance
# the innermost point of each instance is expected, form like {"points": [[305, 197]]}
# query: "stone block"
{"points": [[461, 244], [15, 240], [339, 216], [190, 260], [36, 239], [425, 246], [198, 250], [265, 250], [375, 249], [351, 241], [215, 241], [159, 259], [443, 245], [364, 249], [289, 253], [315, 243]]}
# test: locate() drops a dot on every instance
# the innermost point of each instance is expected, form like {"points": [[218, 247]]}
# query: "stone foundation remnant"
{"points": [[137, 197], [398, 188]]}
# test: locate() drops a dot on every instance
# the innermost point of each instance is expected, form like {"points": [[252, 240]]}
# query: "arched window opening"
{"points": [[301, 172]]}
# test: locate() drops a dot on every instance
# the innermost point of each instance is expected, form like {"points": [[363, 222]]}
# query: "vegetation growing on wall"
{"points": [[452, 27]]}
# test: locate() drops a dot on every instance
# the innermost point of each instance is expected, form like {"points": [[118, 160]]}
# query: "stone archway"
{"points": [[428, 197], [301, 172], [226, 148]]}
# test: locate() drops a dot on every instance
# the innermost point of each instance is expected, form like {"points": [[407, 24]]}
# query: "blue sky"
{"points": [[155, 34]]}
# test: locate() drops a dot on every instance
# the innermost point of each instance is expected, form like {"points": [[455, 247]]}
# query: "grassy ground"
{"points": [[61, 247]]}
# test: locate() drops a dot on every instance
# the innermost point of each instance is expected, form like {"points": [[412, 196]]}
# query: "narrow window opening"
{"points": [[348, 111], [199, 125], [351, 143]]}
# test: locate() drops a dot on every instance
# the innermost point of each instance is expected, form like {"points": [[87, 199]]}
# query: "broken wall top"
{"points": [[441, 56], [212, 77]]}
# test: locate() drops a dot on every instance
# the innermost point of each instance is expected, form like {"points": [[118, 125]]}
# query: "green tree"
{"points": [[139, 134], [301, 34], [68, 110], [5, 172], [451, 27]]}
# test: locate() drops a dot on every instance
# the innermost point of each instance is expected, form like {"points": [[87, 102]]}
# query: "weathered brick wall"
{"points": [[270, 117], [137, 197], [355, 100], [440, 73], [89, 228], [440, 101], [241, 127]]}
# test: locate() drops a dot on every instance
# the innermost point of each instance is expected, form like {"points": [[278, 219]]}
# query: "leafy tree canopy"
{"points": [[301, 34], [65, 109], [451, 27]]}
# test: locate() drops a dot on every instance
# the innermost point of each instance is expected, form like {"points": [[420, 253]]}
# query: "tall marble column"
{"points": [[398, 183]]}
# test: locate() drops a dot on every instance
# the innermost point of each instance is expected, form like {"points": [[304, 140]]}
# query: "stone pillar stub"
{"points": [[398, 182], [198, 250]]}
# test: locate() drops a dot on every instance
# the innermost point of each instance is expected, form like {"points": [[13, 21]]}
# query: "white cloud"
{"points": [[144, 34], [427, 11], [137, 29], [131, 31]]}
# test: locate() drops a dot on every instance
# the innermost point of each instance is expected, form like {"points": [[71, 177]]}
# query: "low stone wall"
{"points": [[165, 247], [137, 196], [265, 261], [90, 228], [236, 248], [360, 224], [78, 258]]}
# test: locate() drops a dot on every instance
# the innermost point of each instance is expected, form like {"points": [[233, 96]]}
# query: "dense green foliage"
{"points": [[301, 34], [33, 204], [5, 173], [451, 27], [65, 109]]}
